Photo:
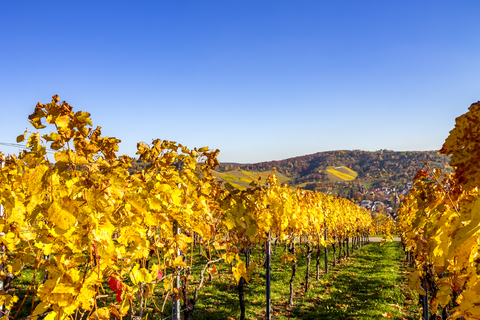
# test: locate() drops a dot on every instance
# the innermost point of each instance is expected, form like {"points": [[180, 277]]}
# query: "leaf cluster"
{"points": [[440, 223], [85, 222]]}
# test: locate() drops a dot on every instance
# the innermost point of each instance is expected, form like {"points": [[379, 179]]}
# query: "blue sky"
{"points": [[259, 80]]}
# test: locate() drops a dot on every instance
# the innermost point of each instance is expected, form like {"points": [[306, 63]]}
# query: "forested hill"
{"points": [[371, 168]]}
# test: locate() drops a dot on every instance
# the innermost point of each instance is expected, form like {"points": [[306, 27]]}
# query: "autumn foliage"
{"points": [[82, 220], [440, 219]]}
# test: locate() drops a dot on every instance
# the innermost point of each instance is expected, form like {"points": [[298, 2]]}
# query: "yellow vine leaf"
{"points": [[62, 121], [60, 214], [467, 232], [101, 314], [240, 271], [51, 316], [178, 262], [416, 283], [287, 258], [463, 143], [40, 308], [21, 137], [444, 291]]}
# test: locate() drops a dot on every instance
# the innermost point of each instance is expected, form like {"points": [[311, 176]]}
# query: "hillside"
{"points": [[241, 179], [336, 171], [374, 169]]}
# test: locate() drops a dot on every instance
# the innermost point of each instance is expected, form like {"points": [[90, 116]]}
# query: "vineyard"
{"points": [[440, 223], [96, 242], [91, 240]]}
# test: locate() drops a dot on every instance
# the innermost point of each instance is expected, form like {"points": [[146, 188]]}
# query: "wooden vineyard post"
{"points": [[425, 301], [348, 247], [268, 277], [326, 249], [177, 230], [176, 302]]}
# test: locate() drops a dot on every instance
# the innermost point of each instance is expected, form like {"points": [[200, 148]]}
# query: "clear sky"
{"points": [[259, 80]]}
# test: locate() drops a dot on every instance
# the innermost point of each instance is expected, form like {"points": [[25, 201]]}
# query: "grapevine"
{"points": [[440, 219], [86, 224]]}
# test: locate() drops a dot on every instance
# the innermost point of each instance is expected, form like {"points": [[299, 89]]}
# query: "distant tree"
{"points": [[367, 196], [351, 193], [357, 196], [311, 186]]}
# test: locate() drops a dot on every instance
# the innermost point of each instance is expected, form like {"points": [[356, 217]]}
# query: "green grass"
{"points": [[20, 287], [368, 287], [370, 283]]}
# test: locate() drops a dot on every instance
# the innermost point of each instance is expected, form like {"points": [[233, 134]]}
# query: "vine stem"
{"points": [[23, 301], [34, 286]]}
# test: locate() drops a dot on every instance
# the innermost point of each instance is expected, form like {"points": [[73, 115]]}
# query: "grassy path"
{"points": [[369, 285]]}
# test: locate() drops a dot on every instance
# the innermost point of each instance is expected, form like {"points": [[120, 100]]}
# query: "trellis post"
{"points": [[326, 248], [177, 230]]}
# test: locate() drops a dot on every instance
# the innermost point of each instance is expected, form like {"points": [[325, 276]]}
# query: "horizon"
{"points": [[299, 156]]}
